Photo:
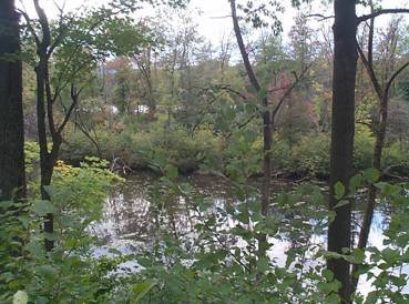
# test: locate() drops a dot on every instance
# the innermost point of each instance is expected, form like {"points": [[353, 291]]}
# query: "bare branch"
{"points": [[45, 27], [393, 77], [61, 32], [320, 17], [289, 91], [30, 26], [74, 97], [229, 89], [220, 17], [371, 72], [371, 36], [50, 102], [364, 123], [382, 12]]}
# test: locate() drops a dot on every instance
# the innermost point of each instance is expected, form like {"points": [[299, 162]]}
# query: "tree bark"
{"points": [[45, 117], [342, 137], [12, 175]]}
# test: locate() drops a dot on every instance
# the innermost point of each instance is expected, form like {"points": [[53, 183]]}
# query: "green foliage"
{"points": [[137, 150], [200, 115], [364, 147], [137, 146], [69, 273], [263, 15], [384, 266], [219, 262], [222, 264], [311, 153]]}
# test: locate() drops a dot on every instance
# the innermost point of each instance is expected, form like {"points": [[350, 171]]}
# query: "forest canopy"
{"points": [[171, 151]]}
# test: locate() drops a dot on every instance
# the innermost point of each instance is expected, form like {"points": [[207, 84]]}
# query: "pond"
{"points": [[139, 213]]}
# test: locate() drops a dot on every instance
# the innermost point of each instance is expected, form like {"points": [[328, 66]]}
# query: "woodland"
{"points": [[142, 163]]}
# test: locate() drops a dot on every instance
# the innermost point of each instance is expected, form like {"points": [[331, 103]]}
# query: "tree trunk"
{"points": [[47, 159], [382, 93], [372, 193], [267, 127], [12, 175], [342, 138]]}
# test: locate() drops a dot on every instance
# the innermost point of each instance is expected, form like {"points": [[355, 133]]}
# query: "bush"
{"points": [[137, 149], [363, 150], [68, 274], [312, 153]]}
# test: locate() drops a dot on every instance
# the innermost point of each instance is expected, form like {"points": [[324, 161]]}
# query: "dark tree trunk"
{"points": [[342, 139], [267, 126], [12, 176], [46, 167]]}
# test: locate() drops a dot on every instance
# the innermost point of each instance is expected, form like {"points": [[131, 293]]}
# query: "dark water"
{"points": [[138, 213]]}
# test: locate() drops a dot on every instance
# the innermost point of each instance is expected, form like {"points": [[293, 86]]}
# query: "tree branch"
{"points": [[45, 27], [371, 72], [250, 72], [393, 77], [74, 97], [289, 90], [229, 89], [30, 27], [382, 12], [371, 36], [320, 17]]}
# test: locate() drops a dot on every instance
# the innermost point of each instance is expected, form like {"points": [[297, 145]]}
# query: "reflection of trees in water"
{"points": [[126, 214], [145, 210], [380, 222]]}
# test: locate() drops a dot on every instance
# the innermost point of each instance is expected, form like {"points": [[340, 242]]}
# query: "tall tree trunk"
{"points": [[12, 176], [46, 166], [267, 125], [382, 92], [342, 138]]}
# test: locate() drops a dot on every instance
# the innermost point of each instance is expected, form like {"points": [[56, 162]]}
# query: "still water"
{"points": [[135, 216]]}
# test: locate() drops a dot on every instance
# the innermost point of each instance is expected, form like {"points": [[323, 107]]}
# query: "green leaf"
{"points": [[332, 299], [372, 298], [328, 274], [43, 208], [355, 182], [263, 264], [341, 204], [171, 172], [390, 256], [339, 189], [371, 175], [357, 256], [139, 291], [47, 271]]}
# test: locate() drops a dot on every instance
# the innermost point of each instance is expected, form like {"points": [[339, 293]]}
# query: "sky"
{"points": [[213, 21]]}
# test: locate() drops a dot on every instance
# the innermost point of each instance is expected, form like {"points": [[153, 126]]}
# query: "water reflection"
{"points": [[137, 215]]}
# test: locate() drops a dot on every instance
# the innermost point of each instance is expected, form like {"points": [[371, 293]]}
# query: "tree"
{"points": [[280, 91], [382, 85], [46, 98], [122, 89], [66, 52], [12, 176], [342, 136]]}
